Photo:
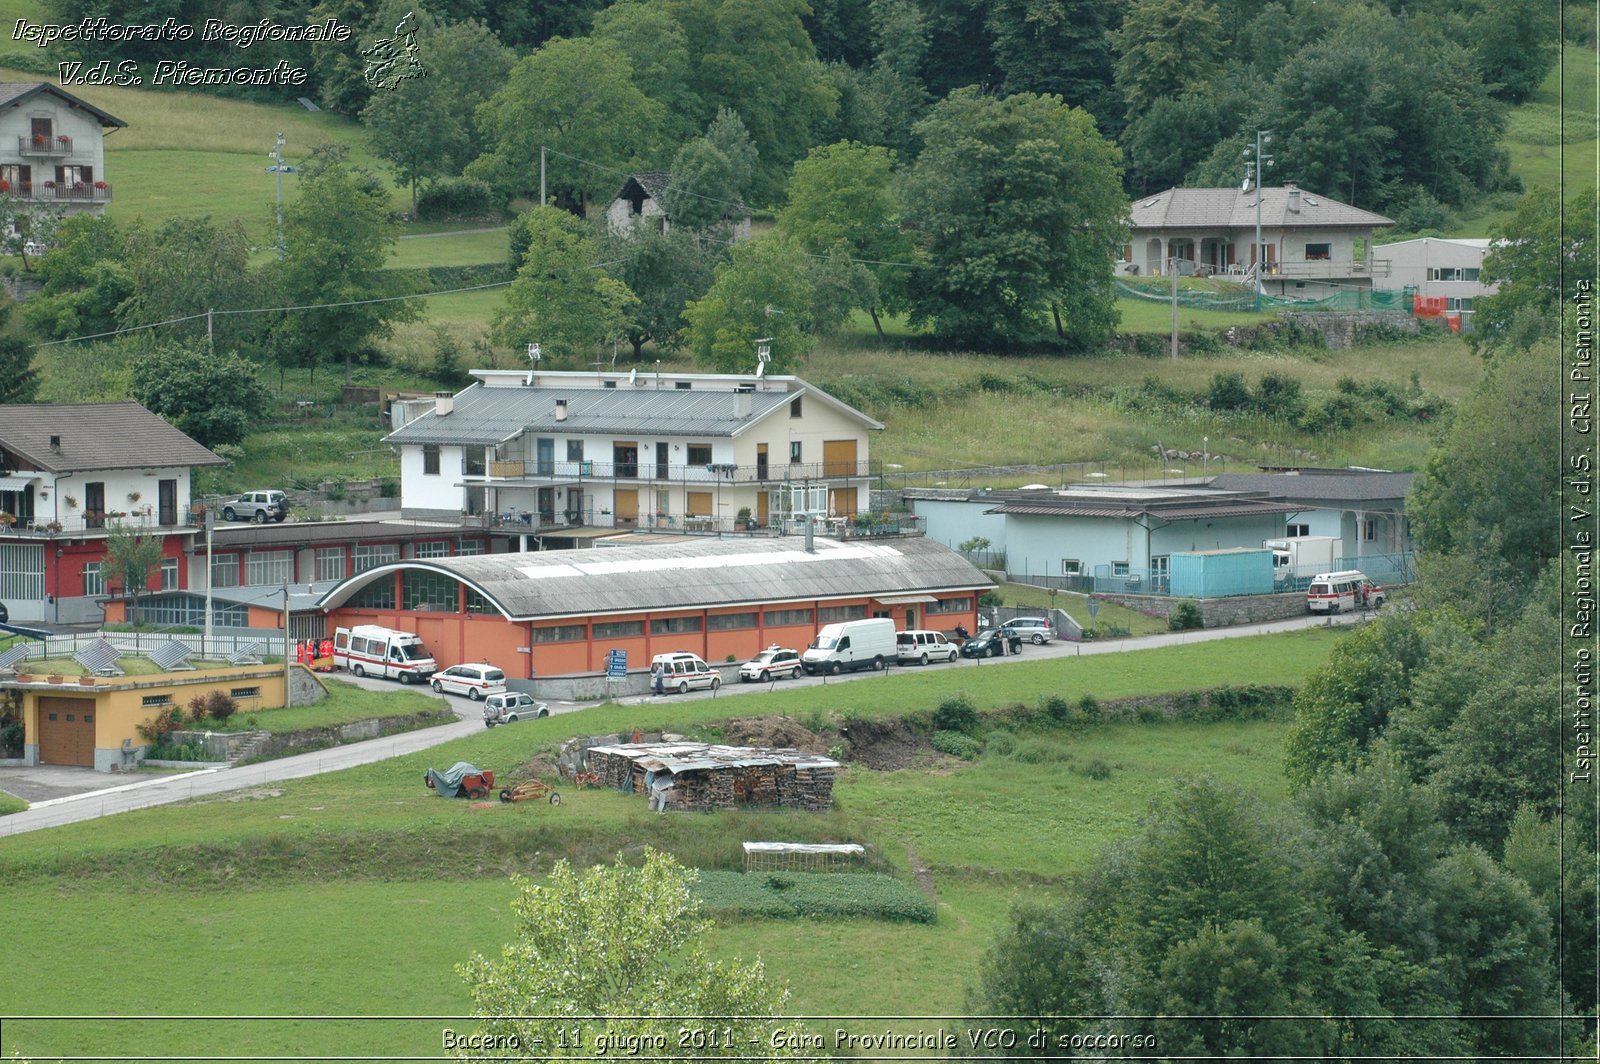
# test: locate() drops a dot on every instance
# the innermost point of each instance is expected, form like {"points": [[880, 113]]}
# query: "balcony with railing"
{"points": [[40, 145], [853, 526], [95, 523], [677, 472], [60, 191]]}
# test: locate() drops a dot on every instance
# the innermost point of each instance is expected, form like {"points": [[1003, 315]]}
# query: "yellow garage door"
{"points": [[838, 458], [66, 731]]}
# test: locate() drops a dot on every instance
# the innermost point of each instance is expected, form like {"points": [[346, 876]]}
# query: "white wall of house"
{"points": [[429, 491], [954, 521], [1430, 264], [68, 493], [1045, 545]]}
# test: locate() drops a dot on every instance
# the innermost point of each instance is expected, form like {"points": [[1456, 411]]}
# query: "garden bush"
{"points": [[1056, 708], [220, 706], [956, 744], [460, 197], [1185, 616], [956, 713], [1096, 770], [1040, 752], [1000, 744]]}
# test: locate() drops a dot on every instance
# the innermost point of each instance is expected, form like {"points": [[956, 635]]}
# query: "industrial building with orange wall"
{"points": [[552, 613]]}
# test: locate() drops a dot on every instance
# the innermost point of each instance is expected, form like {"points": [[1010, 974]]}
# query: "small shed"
{"points": [[1203, 574], [703, 776]]}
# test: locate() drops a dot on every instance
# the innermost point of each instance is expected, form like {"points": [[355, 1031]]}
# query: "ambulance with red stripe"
{"points": [[1346, 590], [372, 650]]}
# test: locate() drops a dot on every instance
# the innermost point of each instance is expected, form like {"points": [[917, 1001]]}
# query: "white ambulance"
{"points": [[371, 650]]}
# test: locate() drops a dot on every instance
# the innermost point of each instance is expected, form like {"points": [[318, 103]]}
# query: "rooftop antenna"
{"points": [[763, 356], [533, 363], [658, 373]]}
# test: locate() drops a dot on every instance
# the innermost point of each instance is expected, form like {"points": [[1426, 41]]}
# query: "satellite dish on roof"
{"points": [[633, 375]]}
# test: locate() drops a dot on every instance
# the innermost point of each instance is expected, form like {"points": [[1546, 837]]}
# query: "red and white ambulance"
{"points": [[372, 650]]}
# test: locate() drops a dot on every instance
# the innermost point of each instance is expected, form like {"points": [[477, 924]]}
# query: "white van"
{"points": [[851, 645], [921, 646], [371, 650], [1348, 589], [685, 672]]}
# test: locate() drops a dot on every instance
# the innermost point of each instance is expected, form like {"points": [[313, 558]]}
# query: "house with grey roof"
{"points": [[641, 201], [1120, 537], [69, 473], [52, 147], [1311, 245], [1364, 508], [548, 452]]}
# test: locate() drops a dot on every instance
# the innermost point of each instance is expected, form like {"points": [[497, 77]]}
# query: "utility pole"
{"points": [[277, 170], [1172, 268], [206, 646], [288, 658], [541, 176], [1257, 168]]}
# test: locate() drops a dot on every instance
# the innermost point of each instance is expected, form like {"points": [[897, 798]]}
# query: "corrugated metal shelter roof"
{"points": [[488, 415], [1232, 208], [702, 574], [96, 436], [303, 533], [1185, 509], [690, 757], [1351, 485]]}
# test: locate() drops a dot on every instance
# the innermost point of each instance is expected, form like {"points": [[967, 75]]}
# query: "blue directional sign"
{"points": [[617, 665]]}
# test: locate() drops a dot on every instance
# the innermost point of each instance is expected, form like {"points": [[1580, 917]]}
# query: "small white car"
{"points": [[920, 646], [685, 672], [474, 681], [507, 708], [1036, 630], [773, 663]]}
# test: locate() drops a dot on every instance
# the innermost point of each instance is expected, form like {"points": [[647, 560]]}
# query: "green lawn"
{"points": [[345, 704], [460, 246]]}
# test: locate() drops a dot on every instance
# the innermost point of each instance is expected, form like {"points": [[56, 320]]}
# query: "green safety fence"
{"points": [[1347, 299]]}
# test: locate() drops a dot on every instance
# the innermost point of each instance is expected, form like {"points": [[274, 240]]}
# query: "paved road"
{"points": [[122, 797]]}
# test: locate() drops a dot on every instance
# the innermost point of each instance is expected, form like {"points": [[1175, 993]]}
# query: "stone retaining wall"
{"points": [[1219, 612]]}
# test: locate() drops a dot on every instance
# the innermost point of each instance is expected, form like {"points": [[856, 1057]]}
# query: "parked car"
{"points": [[992, 643], [474, 681], [921, 646], [1036, 630], [686, 672], [508, 706], [772, 663], [257, 506]]}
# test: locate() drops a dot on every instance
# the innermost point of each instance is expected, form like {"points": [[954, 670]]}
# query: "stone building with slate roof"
{"points": [[67, 472], [1313, 245], [642, 201], [550, 613], [548, 453], [52, 147]]}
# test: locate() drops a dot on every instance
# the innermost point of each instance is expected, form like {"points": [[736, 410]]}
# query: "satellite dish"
{"points": [[533, 361], [761, 370], [633, 375]]}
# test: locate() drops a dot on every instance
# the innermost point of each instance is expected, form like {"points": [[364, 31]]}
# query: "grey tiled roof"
{"points": [[15, 92], [493, 415], [1230, 208], [96, 436], [1350, 486], [708, 573]]}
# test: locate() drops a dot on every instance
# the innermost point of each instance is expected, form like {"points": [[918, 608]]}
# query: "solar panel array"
{"points": [[173, 656], [10, 658], [100, 658], [249, 654]]}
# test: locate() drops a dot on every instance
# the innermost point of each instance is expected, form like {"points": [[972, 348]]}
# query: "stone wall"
{"points": [[1220, 612], [305, 687], [1339, 330]]}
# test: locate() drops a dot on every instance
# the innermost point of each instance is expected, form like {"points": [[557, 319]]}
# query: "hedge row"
{"points": [[795, 894]]}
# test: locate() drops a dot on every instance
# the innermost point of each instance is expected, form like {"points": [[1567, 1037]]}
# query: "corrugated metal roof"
{"points": [[96, 436], [706, 573], [494, 415], [689, 757], [13, 93], [1231, 208], [1351, 486], [1177, 511]]}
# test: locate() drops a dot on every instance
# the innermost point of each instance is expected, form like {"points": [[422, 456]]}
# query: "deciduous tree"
{"points": [[665, 272], [761, 291], [559, 299], [216, 399], [133, 552], [617, 942], [1018, 203]]}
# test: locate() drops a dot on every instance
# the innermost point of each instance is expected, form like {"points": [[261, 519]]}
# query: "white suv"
{"points": [[510, 706], [1037, 630], [685, 672]]}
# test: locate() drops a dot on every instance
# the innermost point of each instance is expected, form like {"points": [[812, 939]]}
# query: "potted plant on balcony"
{"points": [[134, 496], [50, 186], [72, 502], [101, 185], [38, 140], [8, 520], [65, 141], [746, 522]]}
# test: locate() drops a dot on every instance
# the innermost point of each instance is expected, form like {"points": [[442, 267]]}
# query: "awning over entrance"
{"points": [[904, 600]]}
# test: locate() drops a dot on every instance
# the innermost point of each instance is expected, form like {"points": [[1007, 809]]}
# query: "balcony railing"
{"points": [[82, 522], [45, 146], [856, 526], [678, 473], [56, 192]]}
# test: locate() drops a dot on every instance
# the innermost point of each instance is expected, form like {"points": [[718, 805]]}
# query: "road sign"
{"points": [[617, 665], [1094, 609]]}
